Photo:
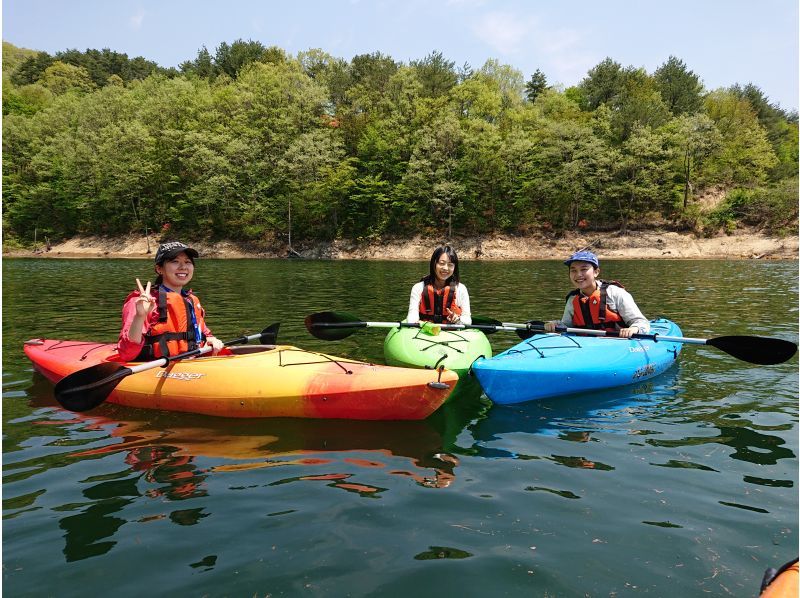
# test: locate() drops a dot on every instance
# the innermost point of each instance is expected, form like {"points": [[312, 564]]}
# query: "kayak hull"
{"points": [[456, 350], [259, 381], [551, 365]]}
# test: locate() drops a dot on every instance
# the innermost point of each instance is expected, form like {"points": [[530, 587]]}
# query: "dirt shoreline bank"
{"points": [[635, 245]]}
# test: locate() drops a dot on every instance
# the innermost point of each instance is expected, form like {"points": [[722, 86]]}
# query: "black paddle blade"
{"points": [[755, 349], [332, 325], [484, 321], [87, 388], [269, 336]]}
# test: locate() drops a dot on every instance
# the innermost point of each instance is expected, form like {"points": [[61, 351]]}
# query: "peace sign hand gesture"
{"points": [[145, 303]]}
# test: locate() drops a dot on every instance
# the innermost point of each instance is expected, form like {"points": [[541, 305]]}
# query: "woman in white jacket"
{"points": [[440, 297]]}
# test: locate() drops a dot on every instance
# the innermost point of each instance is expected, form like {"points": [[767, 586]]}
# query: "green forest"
{"points": [[252, 144]]}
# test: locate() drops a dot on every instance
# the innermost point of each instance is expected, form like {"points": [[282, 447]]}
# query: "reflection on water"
{"points": [[683, 485], [167, 459], [750, 445]]}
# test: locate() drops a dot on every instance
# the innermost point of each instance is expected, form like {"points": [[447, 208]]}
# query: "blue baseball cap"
{"points": [[583, 256]]}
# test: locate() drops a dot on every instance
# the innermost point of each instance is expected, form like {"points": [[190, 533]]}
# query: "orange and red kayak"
{"points": [[260, 381]]}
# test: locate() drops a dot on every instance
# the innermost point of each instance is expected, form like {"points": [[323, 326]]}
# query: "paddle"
{"points": [[89, 387], [334, 326], [760, 350]]}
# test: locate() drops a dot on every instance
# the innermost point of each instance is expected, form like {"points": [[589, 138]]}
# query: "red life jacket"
{"points": [[592, 311], [435, 306], [173, 332]]}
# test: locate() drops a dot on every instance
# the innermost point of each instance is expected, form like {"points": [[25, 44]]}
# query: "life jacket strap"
{"points": [[435, 313], [602, 313], [162, 304]]}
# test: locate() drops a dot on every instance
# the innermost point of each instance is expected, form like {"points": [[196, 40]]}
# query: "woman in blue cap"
{"points": [[166, 320], [598, 304]]}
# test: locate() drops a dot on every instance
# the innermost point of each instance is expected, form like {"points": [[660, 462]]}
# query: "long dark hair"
{"points": [[437, 253]]}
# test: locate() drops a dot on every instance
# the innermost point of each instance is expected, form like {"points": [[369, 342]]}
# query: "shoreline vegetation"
{"points": [[740, 244], [276, 153]]}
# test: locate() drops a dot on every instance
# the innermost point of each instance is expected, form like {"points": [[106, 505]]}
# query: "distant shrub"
{"points": [[773, 209]]}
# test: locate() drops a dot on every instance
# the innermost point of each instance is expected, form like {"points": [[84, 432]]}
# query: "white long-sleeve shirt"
{"points": [[462, 300], [618, 300]]}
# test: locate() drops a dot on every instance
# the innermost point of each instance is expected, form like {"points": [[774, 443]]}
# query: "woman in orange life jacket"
{"points": [[166, 320], [440, 297], [597, 303]]}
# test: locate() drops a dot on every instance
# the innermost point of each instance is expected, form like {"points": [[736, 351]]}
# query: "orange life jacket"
{"points": [[592, 311], [435, 306], [173, 332], [782, 583]]}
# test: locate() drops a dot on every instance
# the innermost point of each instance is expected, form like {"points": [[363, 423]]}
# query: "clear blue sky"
{"points": [[722, 41]]}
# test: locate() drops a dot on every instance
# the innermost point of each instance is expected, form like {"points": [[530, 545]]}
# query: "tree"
{"points": [[372, 71], [432, 176], [329, 71], [602, 83], [695, 138], [61, 78], [31, 69], [231, 59], [479, 97], [509, 80], [484, 172], [680, 89], [202, 66], [745, 155], [28, 99], [101, 64], [13, 57], [642, 175], [365, 94], [536, 85], [437, 75], [566, 174], [558, 106], [637, 104], [781, 128], [308, 162]]}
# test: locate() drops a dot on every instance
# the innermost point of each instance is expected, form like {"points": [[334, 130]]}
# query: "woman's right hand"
{"points": [[550, 326], [452, 317], [145, 302]]}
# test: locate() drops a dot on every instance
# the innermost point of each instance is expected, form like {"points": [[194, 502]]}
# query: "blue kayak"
{"points": [[550, 365]]}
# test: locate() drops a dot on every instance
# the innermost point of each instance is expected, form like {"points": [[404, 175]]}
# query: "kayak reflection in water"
{"points": [[598, 304]]}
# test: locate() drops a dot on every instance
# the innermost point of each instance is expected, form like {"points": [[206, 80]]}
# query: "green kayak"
{"points": [[456, 350]]}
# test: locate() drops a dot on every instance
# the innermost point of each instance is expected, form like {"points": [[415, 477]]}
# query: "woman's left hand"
{"points": [[628, 332]]}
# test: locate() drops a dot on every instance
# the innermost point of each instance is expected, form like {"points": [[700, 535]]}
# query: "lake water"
{"points": [[683, 486]]}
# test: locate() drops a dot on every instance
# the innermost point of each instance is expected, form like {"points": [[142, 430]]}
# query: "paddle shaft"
{"points": [[164, 361], [613, 334], [87, 388], [484, 327], [753, 349]]}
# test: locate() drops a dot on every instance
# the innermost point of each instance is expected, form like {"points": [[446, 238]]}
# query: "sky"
{"points": [[724, 42]]}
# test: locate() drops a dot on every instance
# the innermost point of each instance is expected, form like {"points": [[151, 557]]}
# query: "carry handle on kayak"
{"points": [[760, 350], [89, 387]]}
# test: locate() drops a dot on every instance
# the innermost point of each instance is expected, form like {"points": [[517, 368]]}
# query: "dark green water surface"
{"points": [[683, 486]]}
